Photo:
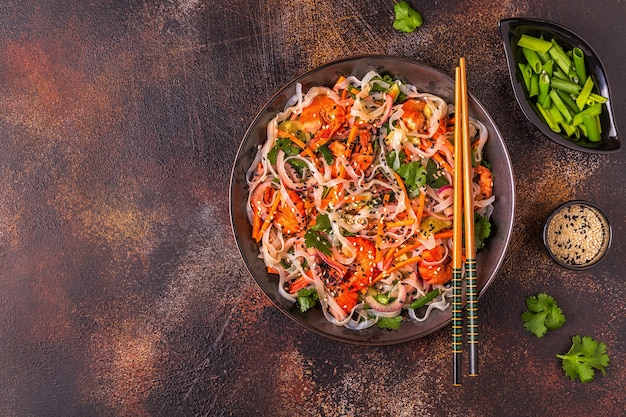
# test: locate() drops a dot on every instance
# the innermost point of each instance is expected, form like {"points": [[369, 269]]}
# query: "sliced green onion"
{"points": [[533, 43], [564, 85], [581, 100], [578, 56]]}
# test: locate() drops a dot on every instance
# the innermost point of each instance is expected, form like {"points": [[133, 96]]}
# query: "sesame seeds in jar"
{"points": [[577, 235]]}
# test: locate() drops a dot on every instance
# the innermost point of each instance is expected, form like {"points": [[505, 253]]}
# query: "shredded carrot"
{"points": [[256, 224], [269, 218], [305, 149], [272, 270], [420, 206], [339, 81], [396, 267], [400, 223], [444, 235], [297, 285]]}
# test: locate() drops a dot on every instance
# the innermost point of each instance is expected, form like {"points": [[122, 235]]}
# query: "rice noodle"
{"points": [[357, 209]]}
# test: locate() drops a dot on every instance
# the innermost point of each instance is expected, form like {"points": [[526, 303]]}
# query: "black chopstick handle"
{"points": [[457, 324], [472, 315]]}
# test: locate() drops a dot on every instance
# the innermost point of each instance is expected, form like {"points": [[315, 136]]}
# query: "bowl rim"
{"points": [[610, 137], [503, 233], [582, 203]]}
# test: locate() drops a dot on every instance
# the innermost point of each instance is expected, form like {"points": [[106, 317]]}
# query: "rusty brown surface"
{"points": [[121, 289]]}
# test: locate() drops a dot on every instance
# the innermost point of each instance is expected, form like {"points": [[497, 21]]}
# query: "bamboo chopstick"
{"points": [[457, 237], [470, 244]]}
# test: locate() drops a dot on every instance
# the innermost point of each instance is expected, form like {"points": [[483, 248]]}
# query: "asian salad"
{"points": [[350, 200]]}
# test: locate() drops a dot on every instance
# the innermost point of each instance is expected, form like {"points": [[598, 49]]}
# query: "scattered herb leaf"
{"points": [[322, 223], [584, 357], [414, 176], [482, 230], [543, 314], [306, 298], [390, 323], [406, 19], [315, 239], [434, 177]]}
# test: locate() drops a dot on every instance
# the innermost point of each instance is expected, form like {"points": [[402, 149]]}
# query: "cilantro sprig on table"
{"points": [[584, 357], [586, 354], [406, 19], [543, 314]]}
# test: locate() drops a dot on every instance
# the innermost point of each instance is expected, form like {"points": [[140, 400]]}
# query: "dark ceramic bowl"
{"points": [[425, 79], [511, 30], [577, 235]]}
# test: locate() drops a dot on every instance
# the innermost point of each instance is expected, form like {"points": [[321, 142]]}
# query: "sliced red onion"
{"points": [[395, 305]]}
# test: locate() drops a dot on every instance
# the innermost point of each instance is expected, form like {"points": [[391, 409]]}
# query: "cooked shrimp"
{"points": [[291, 216], [435, 274], [363, 153], [413, 115], [323, 117], [485, 181]]}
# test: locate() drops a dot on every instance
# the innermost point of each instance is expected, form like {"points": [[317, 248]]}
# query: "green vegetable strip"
{"points": [[544, 89], [422, 301], [534, 85], [533, 60], [556, 115], [558, 73], [591, 126], [533, 43], [579, 64], [548, 118], [548, 67], [581, 100], [596, 98], [560, 57], [560, 106], [564, 85], [569, 101], [569, 129], [526, 75], [594, 110]]}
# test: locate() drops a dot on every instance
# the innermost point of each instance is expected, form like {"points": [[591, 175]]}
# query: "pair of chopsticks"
{"points": [[463, 212]]}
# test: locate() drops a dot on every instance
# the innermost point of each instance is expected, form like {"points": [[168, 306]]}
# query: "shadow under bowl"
{"points": [[511, 30]]}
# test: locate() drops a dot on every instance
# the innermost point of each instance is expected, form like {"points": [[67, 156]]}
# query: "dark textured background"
{"points": [[121, 289]]}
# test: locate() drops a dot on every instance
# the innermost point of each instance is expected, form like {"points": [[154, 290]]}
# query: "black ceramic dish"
{"points": [[425, 79], [511, 30], [580, 240]]}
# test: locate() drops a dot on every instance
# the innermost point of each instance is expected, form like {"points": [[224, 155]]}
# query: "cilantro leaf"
{"points": [[434, 177], [543, 314], [306, 298], [406, 18], [584, 357], [394, 159], [290, 149], [317, 240], [322, 223], [389, 323], [414, 176], [482, 230], [326, 153]]}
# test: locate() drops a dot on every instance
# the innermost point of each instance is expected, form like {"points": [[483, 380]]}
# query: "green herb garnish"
{"points": [[407, 19]]}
